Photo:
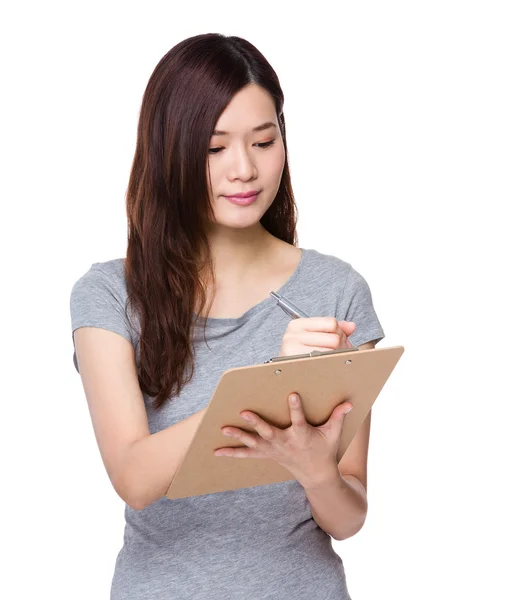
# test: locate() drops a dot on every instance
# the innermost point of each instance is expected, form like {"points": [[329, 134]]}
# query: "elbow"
{"points": [[341, 535], [136, 503], [128, 494], [133, 485], [127, 488], [134, 492]]}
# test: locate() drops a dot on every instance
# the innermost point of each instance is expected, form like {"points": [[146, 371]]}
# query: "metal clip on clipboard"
{"points": [[310, 354]]}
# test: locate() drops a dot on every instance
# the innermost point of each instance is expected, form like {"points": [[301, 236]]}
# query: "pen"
{"points": [[295, 313], [288, 307]]}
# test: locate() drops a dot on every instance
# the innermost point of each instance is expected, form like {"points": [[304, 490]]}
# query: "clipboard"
{"points": [[322, 379]]}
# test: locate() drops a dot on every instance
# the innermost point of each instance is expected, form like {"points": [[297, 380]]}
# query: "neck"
{"points": [[238, 254]]}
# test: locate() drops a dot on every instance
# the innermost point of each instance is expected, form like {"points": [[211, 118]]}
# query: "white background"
{"points": [[396, 140]]}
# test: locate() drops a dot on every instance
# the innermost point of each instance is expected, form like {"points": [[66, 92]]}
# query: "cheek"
{"points": [[274, 164]]}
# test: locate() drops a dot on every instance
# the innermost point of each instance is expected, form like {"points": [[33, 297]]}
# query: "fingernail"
{"points": [[347, 410]]}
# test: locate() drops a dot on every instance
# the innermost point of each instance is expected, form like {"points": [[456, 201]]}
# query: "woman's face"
{"points": [[242, 160]]}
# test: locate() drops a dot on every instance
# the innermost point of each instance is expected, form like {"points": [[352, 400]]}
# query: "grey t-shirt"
{"points": [[255, 543]]}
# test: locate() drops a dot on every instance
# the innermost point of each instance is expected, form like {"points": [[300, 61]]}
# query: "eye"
{"points": [[265, 144], [262, 145]]}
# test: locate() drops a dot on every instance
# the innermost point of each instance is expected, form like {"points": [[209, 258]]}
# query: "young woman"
{"points": [[211, 232]]}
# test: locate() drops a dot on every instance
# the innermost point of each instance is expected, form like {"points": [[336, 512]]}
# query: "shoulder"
{"points": [[113, 268], [328, 267], [99, 273], [339, 279], [341, 269], [99, 298], [328, 261], [322, 281], [102, 285]]}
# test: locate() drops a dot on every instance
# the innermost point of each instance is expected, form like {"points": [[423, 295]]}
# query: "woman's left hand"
{"points": [[308, 453]]}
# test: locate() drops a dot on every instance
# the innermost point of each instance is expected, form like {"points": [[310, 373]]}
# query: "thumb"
{"points": [[348, 327], [340, 412], [337, 417]]}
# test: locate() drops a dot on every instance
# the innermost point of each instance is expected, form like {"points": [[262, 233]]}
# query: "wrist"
{"points": [[322, 477]]}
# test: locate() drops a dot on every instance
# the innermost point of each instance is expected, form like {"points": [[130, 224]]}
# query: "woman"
{"points": [[154, 331]]}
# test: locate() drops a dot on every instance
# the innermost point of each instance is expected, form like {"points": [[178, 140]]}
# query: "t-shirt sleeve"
{"points": [[94, 302], [356, 305]]}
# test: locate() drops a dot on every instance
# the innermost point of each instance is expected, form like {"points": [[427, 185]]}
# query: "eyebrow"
{"points": [[261, 127]]}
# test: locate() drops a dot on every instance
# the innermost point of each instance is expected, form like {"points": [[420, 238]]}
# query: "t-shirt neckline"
{"points": [[286, 286]]}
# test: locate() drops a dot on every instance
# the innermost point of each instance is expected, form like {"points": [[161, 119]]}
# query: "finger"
{"points": [[328, 341], [296, 411], [342, 338], [348, 327], [249, 439], [340, 412], [324, 324], [236, 452], [265, 430]]}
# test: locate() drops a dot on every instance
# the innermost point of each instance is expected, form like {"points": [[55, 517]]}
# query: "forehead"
{"points": [[251, 109]]}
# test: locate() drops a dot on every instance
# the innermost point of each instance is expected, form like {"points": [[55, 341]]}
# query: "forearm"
{"points": [[150, 463], [339, 504]]}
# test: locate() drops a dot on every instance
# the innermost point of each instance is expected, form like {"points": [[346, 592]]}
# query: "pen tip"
{"points": [[276, 296]]}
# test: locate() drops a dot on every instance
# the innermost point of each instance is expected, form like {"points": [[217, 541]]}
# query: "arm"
{"points": [[339, 505], [140, 466], [150, 464], [339, 502]]}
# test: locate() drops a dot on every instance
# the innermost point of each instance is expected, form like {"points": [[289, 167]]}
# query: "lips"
{"points": [[244, 194], [242, 200]]}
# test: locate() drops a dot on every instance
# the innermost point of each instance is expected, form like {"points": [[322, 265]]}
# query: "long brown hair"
{"points": [[168, 202]]}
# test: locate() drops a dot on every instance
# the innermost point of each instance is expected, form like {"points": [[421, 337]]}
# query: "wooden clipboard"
{"points": [[323, 381]]}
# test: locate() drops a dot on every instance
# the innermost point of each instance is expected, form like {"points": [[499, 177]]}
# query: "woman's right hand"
{"points": [[316, 333]]}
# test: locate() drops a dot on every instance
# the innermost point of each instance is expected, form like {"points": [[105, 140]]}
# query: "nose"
{"points": [[242, 165]]}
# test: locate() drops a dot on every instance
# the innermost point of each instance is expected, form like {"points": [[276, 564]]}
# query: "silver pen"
{"points": [[295, 313], [289, 308]]}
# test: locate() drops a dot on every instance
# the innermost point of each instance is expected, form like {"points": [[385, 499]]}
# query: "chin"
{"points": [[239, 217], [236, 222]]}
